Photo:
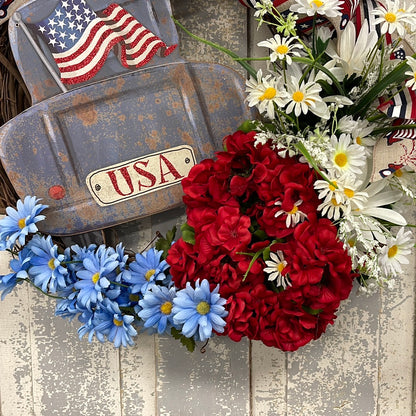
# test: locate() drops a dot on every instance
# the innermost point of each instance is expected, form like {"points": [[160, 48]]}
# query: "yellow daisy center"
{"points": [[341, 159], [203, 308], [166, 308], [414, 75], [398, 173], [134, 297], [332, 186], [294, 210], [358, 140], [298, 96], [349, 193], [334, 202], [95, 277], [351, 243], [280, 267], [149, 274], [51, 264], [269, 94], [392, 251], [390, 17], [317, 3], [282, 49], [117, 322], [21, 223]]}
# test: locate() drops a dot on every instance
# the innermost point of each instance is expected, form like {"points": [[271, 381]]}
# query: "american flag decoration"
{"points": [[81, 39], [138, 45]]}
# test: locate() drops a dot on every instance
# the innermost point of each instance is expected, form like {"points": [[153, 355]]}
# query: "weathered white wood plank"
{"points": [[268, 380], [16, 396], [213, 383], [70, 376], [397, 341], [138, 363]]}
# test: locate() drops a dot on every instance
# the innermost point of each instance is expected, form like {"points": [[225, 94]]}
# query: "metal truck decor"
{"points": [[115, 146]]}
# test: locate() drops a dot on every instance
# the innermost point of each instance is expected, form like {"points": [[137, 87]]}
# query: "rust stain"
{"points": [[63, 157], [35, 150], [38, 92], [140, 117], [49, 82], [87, 112], [169, 113], [152, 141], [122, 117]]}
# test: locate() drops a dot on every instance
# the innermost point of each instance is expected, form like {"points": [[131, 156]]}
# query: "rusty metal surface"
{"points": [[153, 14], [52, 147]]}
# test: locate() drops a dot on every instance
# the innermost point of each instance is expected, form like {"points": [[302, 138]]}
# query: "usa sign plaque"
{"points": [[140, 176]]}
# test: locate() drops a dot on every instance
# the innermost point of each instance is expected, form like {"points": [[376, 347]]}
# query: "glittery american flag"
{"points": [[81, 39]]}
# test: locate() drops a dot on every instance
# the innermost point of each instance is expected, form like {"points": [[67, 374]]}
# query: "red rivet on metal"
{"points": [[56, 192]]}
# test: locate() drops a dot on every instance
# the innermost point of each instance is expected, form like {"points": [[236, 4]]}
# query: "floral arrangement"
{"points": [[280, 224]]}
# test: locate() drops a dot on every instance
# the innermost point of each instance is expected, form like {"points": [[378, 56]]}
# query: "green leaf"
{"points": [[394, 77], [311, 311], [189, 343], [188, 233], [247, 126], [164, 243]]}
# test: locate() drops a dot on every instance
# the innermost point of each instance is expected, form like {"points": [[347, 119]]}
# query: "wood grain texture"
{"points": [[16, 383]]}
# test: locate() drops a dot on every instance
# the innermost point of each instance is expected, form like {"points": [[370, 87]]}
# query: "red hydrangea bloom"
{"points": [[239, 203]]}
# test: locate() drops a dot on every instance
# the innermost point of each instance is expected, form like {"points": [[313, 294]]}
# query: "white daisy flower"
{"points": [[304, 98], [332, 209], [347, 157], [275, 267], [329, 8], [380, 195], [346, 124], [394, 254], [265, 93], [352, 52], [294, 216], [361, 133], [392, 17], [330, 190], [283, 48], [411, 83], [354, 198]]}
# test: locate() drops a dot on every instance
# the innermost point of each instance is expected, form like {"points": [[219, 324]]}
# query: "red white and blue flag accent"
{"points": [[81, 39]]}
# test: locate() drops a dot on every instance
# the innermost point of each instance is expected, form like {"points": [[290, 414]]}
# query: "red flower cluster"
{"points": [[247, 200]]}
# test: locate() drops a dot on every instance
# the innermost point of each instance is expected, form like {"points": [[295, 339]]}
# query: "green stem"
{"points": [[396, 76], [393, 128], [310, 159], [327, 72], [118, 284], [233, 55], [40, 290]]}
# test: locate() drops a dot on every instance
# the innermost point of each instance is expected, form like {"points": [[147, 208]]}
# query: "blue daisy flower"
{"points": [[93, 277], [146, 270], [19, 223], [87, 318], [19, 266], [199, 310], [157, 305], [46, 264], [80, 253], [110, 322]]}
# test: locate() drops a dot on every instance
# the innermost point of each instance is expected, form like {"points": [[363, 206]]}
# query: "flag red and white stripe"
{"points": [[138, 45], [81, 39]]}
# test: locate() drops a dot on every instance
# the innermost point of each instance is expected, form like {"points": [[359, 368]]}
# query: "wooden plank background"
{"points": [[363, 365]]}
